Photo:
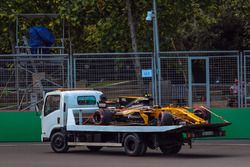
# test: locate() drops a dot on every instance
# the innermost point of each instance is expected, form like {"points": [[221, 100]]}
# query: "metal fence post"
{"points": [[157, 68], [17, 81], [242, 81], [208, 83], [245, 80], [239, 81], [68, 71], [190, 100]]}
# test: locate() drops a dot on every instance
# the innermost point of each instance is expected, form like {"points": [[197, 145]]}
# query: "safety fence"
{"points": [[213, 78], [200, 78], [246, 79], [187, 78], [114, 74], [25, 78]]}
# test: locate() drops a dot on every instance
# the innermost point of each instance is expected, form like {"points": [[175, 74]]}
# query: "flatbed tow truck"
{"points": [[73, 118]]}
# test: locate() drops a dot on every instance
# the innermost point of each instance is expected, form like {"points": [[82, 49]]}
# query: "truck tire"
{"points": [[170, 149], [165, 119], [59, 142], [134, 146], [94, 148]]}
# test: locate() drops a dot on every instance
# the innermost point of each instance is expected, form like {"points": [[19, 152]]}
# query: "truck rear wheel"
{"points": [[170, 149], [134, 146], [59, 143]]}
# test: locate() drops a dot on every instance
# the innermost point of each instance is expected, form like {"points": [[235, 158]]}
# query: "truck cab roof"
{"points": [[64, 92], [78, 98]]}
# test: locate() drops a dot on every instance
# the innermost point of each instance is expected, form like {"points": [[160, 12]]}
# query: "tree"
{"points": [[101, 25], [132, 26]]}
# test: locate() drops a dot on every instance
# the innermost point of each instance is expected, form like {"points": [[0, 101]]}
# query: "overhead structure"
{"points": [[36, 46]]}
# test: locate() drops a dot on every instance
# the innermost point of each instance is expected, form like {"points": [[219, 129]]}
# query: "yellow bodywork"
{"points": [[177, 112], [131, 111], [181, 113]]}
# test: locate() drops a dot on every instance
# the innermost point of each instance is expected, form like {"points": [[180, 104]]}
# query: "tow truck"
{"points": [[73, 118]]}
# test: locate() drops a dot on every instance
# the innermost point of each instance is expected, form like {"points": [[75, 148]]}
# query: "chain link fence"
{"points": [[213, 78], [200, 78], [25, 79], [246, 79], [114, 74]]}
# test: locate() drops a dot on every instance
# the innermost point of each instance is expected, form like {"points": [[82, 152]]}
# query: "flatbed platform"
{"points": [[111, 128]]}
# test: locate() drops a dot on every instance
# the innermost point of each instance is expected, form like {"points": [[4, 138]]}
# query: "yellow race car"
{"points": [[131, 110]]}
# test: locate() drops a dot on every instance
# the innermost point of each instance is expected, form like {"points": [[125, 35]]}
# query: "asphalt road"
{"points": [[203, 154]]}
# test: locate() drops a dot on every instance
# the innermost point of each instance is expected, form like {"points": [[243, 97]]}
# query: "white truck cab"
{"points": [[56, 104]]}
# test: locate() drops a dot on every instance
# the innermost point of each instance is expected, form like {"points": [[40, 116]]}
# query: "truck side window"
{"points": [[52, 104], [86, 100]]}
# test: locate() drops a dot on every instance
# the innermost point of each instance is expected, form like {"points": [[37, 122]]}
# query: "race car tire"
{"points": [[165, 119], [102, 117]]}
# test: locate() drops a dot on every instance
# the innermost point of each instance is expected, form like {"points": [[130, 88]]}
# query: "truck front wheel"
{"points": [[59, 143]]}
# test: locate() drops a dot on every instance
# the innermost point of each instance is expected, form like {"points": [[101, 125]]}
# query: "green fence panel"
{"points": [[20, 126], [240, 119]]}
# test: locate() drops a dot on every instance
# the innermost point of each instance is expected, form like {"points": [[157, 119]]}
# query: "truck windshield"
{"points": [[86, 100]]}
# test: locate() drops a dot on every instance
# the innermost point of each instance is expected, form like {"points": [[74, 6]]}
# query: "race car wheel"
{"points": [[203, 113], [165, 119], [59, 143], [102, 117]]}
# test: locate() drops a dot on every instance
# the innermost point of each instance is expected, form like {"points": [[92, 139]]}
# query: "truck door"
{"points": [[51, 114]]}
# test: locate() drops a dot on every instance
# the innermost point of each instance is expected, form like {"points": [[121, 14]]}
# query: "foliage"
{"points": [[102, 25]]}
